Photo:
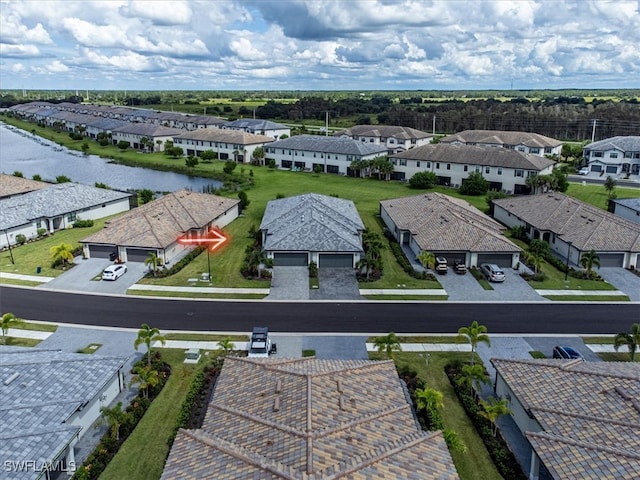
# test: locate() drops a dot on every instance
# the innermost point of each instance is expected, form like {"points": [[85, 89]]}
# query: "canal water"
{"points": [[32, 155]]}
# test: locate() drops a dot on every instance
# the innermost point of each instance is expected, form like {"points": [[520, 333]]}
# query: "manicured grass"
{"points": [[22, 283], [423, 298], [475, 463], [200, 337], [587, 298], [537, 354], [596, 194], [424, 339], [598, 340], [621, 356], [308, 353], [485, 284], [38, 327], [212, 296], [21, 342], [143, 454], [89, 349]]}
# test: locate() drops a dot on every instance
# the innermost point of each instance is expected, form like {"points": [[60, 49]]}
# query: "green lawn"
{"points": [[21, 342], [38, 327], [597, 195], [424, 339], [201, 337], [587, 298], [423, 298], [475, 463], [621, 356], [608, 340], [143, 454]]}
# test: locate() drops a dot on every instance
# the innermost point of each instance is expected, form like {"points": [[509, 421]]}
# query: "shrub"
{"points": [[423, 180], [42, 232], [474, 184], [83, 224], [21, 239], [123, 144], [313, 270], [272, 162], [229, 167], [176, 267]]}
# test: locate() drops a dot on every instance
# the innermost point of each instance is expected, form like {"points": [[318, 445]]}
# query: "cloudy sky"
{"points": [[319, 44]]}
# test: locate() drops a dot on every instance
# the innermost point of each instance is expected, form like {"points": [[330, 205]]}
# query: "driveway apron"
{"points": [[336, 284], [289, 283], [337, 348], [624, 280]]}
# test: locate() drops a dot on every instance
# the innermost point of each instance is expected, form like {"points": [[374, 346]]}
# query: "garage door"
{"points": [[452, 257], [502, 260], [101, 251], [611, 259], [337, 260], [138, 254], [290, 259]]}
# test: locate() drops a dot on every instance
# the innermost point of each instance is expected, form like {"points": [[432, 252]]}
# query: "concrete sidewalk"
{"points": [[28, 278], [214, 290], [580, 293]]}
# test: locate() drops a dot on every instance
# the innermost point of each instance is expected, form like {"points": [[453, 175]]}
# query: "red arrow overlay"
{"points": [[214, 238]]}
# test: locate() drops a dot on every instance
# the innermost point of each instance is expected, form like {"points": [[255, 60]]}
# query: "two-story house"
{"points": [[524, 142], [613, 156], [504, 169], [259, 127], [227, 144], [397, 139]]}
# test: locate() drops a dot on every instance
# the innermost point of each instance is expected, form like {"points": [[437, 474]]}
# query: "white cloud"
{"points": [[160, 12], [8, 50]]}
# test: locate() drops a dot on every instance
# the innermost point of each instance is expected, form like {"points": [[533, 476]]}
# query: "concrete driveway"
{"points": [[289, 283], [336, 284], [623, 280], [466, 288], [81, 277]]}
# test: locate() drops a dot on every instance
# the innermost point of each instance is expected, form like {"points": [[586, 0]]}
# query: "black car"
{"points": [[564, 351]]}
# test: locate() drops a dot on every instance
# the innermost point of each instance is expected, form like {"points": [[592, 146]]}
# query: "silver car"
{"points": [[493, 272], [113, 272]]}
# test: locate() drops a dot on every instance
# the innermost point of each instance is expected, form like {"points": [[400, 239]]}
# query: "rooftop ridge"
{"points": [[383, 412], [568, 366], [62, 427], [588, 445], [263, 421], [582, 416]]}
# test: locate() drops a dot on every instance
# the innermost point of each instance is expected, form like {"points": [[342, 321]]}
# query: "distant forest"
{"points": [[565, 115]]}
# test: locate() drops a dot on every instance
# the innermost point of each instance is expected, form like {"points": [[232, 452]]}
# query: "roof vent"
{"points": [[339, 385], [11, 378], [276, 404], [279, 385]]}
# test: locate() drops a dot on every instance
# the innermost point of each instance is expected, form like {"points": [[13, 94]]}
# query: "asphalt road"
{"points": [[374, 317]]}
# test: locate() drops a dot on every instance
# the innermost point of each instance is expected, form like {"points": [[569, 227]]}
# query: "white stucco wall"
{"points": [[518, 413], [626, 212], [104, 210]]}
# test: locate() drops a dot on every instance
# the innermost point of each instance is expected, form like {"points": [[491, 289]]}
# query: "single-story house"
{"points": [[156, 226], [50, 400], [525, 142], [259, 127], [312, 227], [227, 144], [10, 185], [572, 227], [56, 207], [134, 133], [582, 419], [331, 154], [613, 156], [628, 208], [396, 138], [449, 227], [309, 419], [505, 170]]}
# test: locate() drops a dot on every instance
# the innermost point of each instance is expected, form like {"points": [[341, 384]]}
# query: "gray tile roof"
{"points": [[384, 131], [148, 130], [584, 422], [107, 123], [623, 143], [49, 387], [11, 185], [312, 222], [54, 200], [336, 145], [309, 419], [256, 124], [159, 223], [438, 222], [222, 135], [632, 203], [476, 155], [501, 137], [585, 226]]}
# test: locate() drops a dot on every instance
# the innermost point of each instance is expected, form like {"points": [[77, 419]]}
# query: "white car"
{"points": [[113, 272], [584, 171]]}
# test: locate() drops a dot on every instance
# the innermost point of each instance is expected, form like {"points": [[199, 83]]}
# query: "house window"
{"points": [[71, 217], [418, 163], [437, 165], [403, 163], [534, 150], [39, 224], [466, 168], [547, 149], [487, 170], [521, 148], [448, 166], [519, 173], [499, 170], [478, 169], [627, 154], [613, 155], [597, 154], [428, 164]]}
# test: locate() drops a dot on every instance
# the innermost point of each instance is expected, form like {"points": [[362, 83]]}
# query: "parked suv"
{"points": [[564, 351], [459, 267], [493, 272], [441, 265]]}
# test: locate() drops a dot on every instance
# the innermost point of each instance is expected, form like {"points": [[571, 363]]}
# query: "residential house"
{"points": [[156, 227], [135, 133], [505, 170], [525, 142], [628, 208], [50, 401], [11, 185], [259, 127], [330, 154], [312, 227], [449, 227], [309, 419], [614, 156], [103, 125], [396, 138], [56, 207], [582, 419], [572, 227], [226, 144]]}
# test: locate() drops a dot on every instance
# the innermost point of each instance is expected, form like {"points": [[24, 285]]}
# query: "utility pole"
{"points": [[326, 124], [434, 125], [593, 131]]}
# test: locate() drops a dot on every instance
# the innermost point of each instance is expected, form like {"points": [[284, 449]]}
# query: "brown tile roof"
{"points": [[384, 131], [11, 185], [590, 424], [500, 137], [440, 223], [224, 135], [309, 419], [159, 223], [476, 155], [585, 226]]}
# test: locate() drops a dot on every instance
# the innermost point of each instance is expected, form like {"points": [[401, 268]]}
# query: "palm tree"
{"points": [[114, 417], [8, 320], [429, 399], [474, 334], [146, 377], [388, 344], [227, 345], [474, 375], [148, 335], [153, 261], [427, 259], [631, 340], [64, 251], [589, 259], [493, 409], [368, 263]]}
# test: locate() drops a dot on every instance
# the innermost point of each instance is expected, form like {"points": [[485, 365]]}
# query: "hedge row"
{"points": [[176, 267], [401, 258]]}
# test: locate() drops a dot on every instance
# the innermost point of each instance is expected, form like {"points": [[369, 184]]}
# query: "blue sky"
{"points": [[319, 44]]}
